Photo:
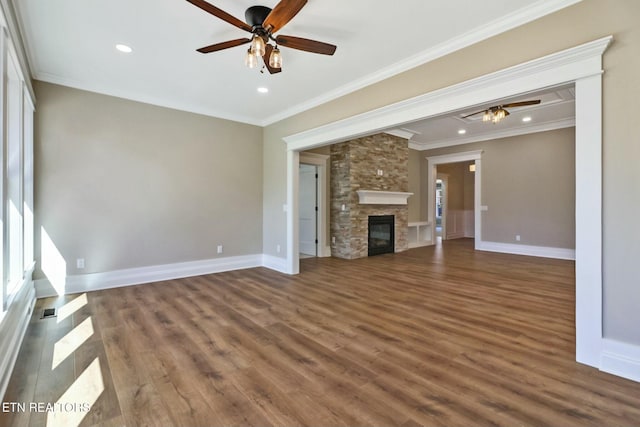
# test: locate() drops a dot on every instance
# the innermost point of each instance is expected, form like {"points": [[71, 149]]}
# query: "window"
{"points": [[16, 176]]}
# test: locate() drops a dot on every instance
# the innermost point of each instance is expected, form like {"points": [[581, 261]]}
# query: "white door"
{"points": [[308, 210]]}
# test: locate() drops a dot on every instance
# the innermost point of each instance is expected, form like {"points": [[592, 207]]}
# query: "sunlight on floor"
{"points": [[71, 307], [76, 402], [70, 342]]}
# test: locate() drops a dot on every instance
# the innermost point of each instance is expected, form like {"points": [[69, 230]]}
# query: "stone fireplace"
{"points": [[377, 166]]}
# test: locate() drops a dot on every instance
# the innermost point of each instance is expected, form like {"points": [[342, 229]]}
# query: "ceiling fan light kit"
{"points": [[497, 112], [263, 23]]}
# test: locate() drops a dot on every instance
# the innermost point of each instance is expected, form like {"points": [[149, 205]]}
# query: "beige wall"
{"points": [[456, 179], [580, 23], [528, 184], [124, 184]]}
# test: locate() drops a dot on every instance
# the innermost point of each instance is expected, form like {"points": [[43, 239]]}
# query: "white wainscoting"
{"points": [[469, 224], [459, 223], [12, 330]]}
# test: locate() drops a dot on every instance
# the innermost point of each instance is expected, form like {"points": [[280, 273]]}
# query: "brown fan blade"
{"points": [[224, 45], [521, 104], [207, 7], [267, 54], [306, 45], [282, 13], [473, 114]]}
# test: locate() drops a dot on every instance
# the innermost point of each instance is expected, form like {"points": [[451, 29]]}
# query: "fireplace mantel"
{"points": [[374, 197]]}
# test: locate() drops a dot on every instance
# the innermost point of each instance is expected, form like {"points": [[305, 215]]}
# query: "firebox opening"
{"points": [[381, 234]]}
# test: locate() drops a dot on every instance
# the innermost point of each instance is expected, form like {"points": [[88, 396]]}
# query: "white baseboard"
{"points": [[458, 235], [155, 273], [275, 263], [539, 251], [326, 252], [13, 326], [620, 359]]}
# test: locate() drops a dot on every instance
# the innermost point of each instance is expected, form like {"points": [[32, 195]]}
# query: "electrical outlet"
{"points": [[219, 249], [80, 263], [517, 237], [333, 240], [380, 172], [278, 248]]}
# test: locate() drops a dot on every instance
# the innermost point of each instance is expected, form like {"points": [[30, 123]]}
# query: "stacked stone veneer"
{"points": [[354, 166]]}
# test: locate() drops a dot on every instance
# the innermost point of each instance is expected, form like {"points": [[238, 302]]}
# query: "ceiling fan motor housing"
{"points": [[256, 15]]}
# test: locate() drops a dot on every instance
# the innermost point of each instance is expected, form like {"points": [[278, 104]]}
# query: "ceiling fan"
{"points": [[497, 112], [263, 22]]}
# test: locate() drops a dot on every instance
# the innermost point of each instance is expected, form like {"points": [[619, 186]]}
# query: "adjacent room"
{"points": [[304, 212]]}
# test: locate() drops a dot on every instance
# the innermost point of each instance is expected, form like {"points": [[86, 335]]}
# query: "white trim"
{"points": [[620, 359], [538, 251], [154, 273], [432, 174], [552, 70], [274, 263], [293, 189], [581, 65], [589, 217], [504, 23], [520, 130], [375, 197], [13, 327], [402, 133], [326, 252]]}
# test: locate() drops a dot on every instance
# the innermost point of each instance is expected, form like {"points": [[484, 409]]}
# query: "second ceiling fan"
{"points": [[497, 112], [263, 23]]}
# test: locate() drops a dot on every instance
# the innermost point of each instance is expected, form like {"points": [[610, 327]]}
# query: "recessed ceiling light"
{"points": [[124, 48], [263, 90], [462, 132], [526, 119]]}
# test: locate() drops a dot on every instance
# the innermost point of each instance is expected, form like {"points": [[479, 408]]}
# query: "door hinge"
{"points": [[316, 209], [316, 241], [316, 176]]}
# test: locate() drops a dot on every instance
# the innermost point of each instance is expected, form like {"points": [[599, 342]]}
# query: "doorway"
{"points": [[581, 65], [308, 211], [441, 207]]}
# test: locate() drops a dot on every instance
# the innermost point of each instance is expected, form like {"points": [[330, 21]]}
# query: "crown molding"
{"points": [[515, 19], [145, 99]]}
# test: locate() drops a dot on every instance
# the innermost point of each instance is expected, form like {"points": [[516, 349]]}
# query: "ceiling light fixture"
{"points": [[526, 119], [124, 48], [250, 60], [496, 113], [258, 45], [263, 90], [275, 59], [461, 131]]}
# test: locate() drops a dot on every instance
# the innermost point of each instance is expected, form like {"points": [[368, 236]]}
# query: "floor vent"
{"points": [[48, 312]]}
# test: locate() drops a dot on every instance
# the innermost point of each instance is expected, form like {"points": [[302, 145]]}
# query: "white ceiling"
{"points": [[71, 42], [555, 111]]}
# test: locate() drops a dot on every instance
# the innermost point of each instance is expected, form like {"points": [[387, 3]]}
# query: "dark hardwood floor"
{"points": [[432, 336]]}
